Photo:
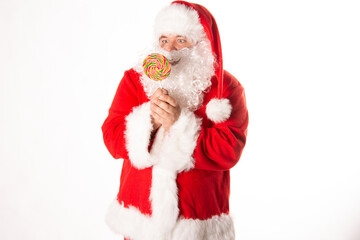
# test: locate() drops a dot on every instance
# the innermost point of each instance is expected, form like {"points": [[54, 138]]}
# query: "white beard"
{"points": [[188, 79]]}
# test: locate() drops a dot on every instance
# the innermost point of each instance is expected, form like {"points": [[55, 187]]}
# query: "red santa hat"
{"points": [[196, 22]]}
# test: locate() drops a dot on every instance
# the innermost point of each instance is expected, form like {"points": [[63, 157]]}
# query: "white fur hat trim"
{"points": [[178, 19]]}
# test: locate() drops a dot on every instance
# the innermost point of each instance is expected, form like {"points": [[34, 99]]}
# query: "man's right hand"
{"points": [[157, 93]]}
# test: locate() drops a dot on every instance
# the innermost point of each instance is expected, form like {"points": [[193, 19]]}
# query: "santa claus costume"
{"points": [[175, 184]]}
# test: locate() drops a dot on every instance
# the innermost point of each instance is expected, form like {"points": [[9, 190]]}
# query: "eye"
{"points": [[181, 40], [164, 41]]}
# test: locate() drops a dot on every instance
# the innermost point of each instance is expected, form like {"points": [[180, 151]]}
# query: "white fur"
{"points": [[173, 150], [138, 123], [171, 153], [164, 202], [128, 221], [131, 223], [188, 79], [170, 150], [179, 19], [216, 228], [218, 110]]}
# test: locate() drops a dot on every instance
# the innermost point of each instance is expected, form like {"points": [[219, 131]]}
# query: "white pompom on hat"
{"points": [[195, 22]]}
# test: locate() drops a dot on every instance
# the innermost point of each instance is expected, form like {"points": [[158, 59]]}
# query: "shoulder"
{"points": [[231, 85], [230, 81], [131, 78], [132, 74]]}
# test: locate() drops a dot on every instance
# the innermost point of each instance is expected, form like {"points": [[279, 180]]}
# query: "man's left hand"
{"points": [[165, 110]]}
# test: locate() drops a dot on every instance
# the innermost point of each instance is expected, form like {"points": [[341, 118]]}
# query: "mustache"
{"points": [[176, 55]]}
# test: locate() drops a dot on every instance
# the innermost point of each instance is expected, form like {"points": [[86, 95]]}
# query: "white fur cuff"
{"points": [[138, 133], [173, 150]]}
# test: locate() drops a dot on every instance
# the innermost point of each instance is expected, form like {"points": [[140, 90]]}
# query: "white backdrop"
{"points": [[299, 61]]}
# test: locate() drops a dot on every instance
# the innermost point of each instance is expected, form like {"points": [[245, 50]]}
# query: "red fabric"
{"points": [[210, 27], [135, 183], [219, 146], [122, 105], [204, 191]]}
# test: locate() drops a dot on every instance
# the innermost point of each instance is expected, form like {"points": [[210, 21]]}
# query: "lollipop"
{"points": [[156, 67]]}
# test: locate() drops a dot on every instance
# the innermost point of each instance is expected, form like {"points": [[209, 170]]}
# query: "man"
{"points": [[178, 142]]}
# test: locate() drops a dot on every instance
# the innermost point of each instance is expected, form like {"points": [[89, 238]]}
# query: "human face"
{"points": [[171, 42]]}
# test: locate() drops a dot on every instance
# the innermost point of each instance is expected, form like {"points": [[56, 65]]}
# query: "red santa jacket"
{"points": [[177, 185]]}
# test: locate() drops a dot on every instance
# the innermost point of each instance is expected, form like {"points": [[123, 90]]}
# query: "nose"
{"points": [[171, 46]]}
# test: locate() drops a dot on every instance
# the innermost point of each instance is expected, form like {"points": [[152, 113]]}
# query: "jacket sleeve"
{"points": [[114, 125], [219, 146]]}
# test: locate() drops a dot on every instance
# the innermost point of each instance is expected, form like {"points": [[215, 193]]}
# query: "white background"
{"points": [[299, 61]]}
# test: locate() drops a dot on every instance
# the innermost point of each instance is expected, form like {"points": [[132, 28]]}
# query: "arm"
{"points": [[191, 144], [128, 127], [219, 146], [114, 125]]}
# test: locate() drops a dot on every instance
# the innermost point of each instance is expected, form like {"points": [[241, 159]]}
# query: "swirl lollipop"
{"points": [[156, 67]]}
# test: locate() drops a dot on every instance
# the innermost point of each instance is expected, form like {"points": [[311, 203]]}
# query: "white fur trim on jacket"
{"points": [[127, 221], [218, 110], [215, 228], [173, 150], [164, 202], [179, 19], [138, 133], [170, 154], [131, 223]]}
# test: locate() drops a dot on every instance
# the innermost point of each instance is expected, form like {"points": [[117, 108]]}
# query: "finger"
{"points": [[164, 105], [154, 108], [152, 113], [168, 99], [158, 105], [157, 93], [161, 112], [157, 117], [164, 91]]}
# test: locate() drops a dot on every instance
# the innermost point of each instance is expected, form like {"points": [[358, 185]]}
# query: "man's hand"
{"points": [[157, 93], [164, 109]]}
